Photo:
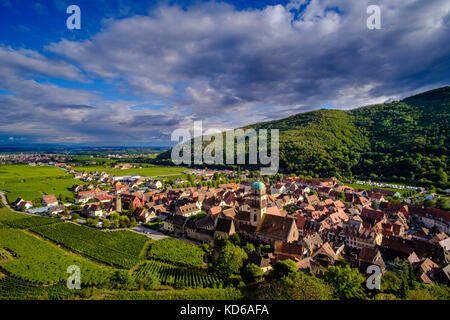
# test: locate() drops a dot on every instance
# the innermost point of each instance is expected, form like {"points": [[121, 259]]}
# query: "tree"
{"points": [[74, 207], [390, 282], [235, 239], [230, 260], [400, 268], [265, 249], [75, 217], [91, 222], [249, 247], [412, 283], [151, 282], [404, 290], [295, 286], [133, 223], [346, 281], [251, 273], [114, 216], [198, 216], [122, 279], [283, 268], [220, 242], [124, 221], [106, 223], [429, 203], [442, 203], [420, 294]]}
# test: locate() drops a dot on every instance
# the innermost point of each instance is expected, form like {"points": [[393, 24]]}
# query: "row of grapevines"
{"points": [[118, 248], [177, 252], [31, 222], [39, 262], [170, 274]]}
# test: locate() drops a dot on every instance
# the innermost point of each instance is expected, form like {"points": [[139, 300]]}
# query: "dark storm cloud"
{"points": [[223, 57]]}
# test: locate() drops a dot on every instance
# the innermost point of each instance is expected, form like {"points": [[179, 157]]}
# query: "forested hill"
{"points": [[404, 140]]}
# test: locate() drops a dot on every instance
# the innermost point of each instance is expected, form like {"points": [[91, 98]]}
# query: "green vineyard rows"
{"points": [[176, 252], [31, 222], [118, 248], [170, 275], [15, 289], [38, 262]]}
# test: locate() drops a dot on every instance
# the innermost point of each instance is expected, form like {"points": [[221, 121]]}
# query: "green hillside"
{"points": [[402, 141]]}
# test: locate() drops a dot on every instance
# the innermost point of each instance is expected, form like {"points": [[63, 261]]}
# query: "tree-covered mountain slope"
{"points": [[404, 140]]}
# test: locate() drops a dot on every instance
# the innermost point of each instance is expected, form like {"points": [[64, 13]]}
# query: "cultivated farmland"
{"points": [[115, 248], [30, 183], [16, 289], [147, 170], [176, 252], [173, 275], [39, 262], [30, 222]]}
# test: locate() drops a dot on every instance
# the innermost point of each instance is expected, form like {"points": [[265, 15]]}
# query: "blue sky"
{"points": [[137, 70]]}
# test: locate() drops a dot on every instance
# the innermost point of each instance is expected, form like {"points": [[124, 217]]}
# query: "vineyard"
{"points": [[15, 289], [39, 262], [187, 294], [170, 275], [118, 248], [5, 255], [26, 223], [6, 214], [176, 252]]}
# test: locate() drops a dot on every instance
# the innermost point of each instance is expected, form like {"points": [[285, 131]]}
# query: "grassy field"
{"points": [[366, 187], [147, 170], [30, 183], [6, 214], [89, 158]]}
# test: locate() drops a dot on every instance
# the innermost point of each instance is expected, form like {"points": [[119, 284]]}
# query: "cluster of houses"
{"points": [[24, 158], [313, 222], [50, 205], [313, 228]]}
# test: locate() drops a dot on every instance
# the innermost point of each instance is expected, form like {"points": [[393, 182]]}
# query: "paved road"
{"points": [[155, 235], [3, 198], [2, 195]]}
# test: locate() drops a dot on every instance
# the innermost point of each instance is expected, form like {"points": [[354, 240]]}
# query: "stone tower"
{"points": [[119, 204], [258, 204]]}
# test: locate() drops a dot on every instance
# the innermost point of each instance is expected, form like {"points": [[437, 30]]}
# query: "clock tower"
{"points": [[258, 203]]}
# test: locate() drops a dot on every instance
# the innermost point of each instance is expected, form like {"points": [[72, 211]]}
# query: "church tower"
{"points": [[258, 203], [118, 204]]}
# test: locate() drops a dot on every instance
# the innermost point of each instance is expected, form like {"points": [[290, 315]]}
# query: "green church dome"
{"points": [[258, 186]]}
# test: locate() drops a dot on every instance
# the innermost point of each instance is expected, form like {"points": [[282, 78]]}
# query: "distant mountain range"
{"points": [[404, 140], [63, 149]]}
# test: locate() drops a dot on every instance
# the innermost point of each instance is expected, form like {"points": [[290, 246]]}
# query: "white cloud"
{"points": [[229, 67]]}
